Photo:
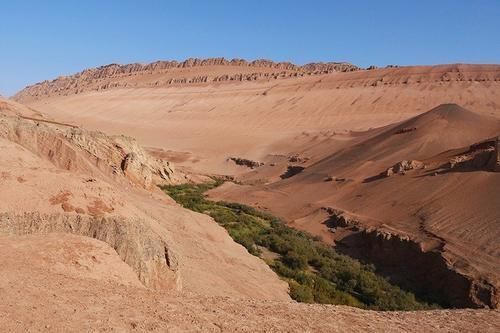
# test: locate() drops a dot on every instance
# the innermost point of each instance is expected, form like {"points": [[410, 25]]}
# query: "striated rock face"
{"points": [[71, 148], [149, 255], [136, 170], [410, 265], [113, 75], [95, 154]]}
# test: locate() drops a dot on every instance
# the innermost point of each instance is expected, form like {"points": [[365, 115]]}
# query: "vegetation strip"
{"points": [[313, 270]]}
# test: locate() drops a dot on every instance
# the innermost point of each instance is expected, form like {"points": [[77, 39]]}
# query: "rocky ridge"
{"points": [[480, 156], [99, 78]]}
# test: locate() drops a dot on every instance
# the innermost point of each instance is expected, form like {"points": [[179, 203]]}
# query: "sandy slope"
{"points": [[62, 283]]}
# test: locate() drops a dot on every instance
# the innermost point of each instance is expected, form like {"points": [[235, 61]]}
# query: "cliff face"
{"points": [[114, 75]]}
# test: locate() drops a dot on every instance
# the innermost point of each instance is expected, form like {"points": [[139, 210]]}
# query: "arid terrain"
{"points": [[396, 166]]}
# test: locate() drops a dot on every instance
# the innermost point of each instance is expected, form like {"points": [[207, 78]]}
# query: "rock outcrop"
{"points": [[402, 167], [71, 149], [481, 156], [405, 130], [291, 171], [246, 162], [409, 264]]}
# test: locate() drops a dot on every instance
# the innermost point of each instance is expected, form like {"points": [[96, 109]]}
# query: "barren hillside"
{"points": [[350, 125]]}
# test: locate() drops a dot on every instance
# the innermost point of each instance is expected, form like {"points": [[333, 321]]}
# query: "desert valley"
{"points": [[295, 185]]}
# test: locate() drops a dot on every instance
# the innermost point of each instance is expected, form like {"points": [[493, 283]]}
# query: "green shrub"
{"points": [[301, 293], [294, 260]]}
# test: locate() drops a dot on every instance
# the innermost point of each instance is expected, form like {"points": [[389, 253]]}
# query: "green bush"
{"points": [[301, 293], [294, 260]]}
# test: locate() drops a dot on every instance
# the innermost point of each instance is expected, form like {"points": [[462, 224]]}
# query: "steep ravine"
{"points": [[407, 263]]}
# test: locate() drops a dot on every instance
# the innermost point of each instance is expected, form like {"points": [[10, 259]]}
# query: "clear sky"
{"points": [[42, 39]]}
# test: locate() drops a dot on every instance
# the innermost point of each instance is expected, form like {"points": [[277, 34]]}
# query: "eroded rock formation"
{"points": [[402, 167], [71, 149], [114, 75], [150, 256], [291, 171], [481, 156]]}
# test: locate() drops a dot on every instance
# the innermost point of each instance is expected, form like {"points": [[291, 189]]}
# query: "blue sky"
{"points": [[47, 38]]}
